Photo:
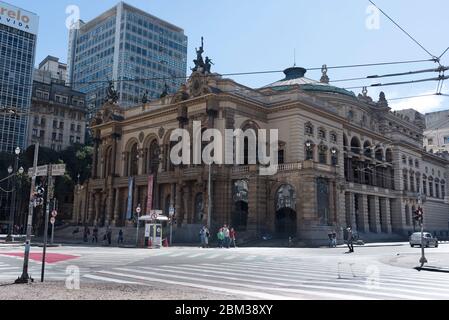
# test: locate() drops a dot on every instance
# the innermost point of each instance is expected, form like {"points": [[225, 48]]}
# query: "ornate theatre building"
{"points": [[344, 160]]}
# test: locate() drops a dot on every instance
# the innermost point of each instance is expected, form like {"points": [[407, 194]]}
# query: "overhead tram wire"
{"points": [[436, 59], [440, 78], [168, 78], [439, 69]]}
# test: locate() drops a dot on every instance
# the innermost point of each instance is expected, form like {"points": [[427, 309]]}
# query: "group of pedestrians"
{"points": [[107, 237], [349, 239], [226, 237]]}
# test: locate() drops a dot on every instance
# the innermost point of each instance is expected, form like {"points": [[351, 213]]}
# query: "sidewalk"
{"points": [[436, 261]]}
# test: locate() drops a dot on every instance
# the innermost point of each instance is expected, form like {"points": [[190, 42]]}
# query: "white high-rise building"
{"points": [[128, 46]]}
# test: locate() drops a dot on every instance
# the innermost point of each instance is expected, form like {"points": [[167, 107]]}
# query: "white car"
{"points": [[429, 240]]}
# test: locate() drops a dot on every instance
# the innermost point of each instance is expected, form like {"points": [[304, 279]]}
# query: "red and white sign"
{"points": [[150, 194], [52, 220], [54, 213]]}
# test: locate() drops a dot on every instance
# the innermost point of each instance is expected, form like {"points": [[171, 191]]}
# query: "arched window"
{"points": [[322, 154], [367, 149], [152, 153], [443, 189], [108, 163], [308, 129], [199, 208], [355, 145], [424, 184], [132, 158], [431, 194], [437, 188], [333, 137], [404, 160], [379, 154], [322, 134], [345, 143]]}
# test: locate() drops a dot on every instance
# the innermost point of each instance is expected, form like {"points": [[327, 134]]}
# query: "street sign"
{"points": [[138, 210], [54, 213], [57, 169], [41, 171], [171, 211], [52, 220]]}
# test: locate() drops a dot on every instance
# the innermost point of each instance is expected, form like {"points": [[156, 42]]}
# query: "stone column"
{"points": [[363, 208], [350, 209], [97, 207], [109, 206], [374, 214], [178, 205], [116, 207], [90, 210], [386, 215]]}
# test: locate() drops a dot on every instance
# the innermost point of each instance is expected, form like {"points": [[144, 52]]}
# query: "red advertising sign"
{"points": [[150, 194]]}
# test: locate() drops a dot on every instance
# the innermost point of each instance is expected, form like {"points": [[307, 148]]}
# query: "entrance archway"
{"points": [[285, 204], [286, 222]]}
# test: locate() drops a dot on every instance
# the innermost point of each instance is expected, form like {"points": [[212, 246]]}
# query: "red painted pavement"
{"points": [[49, 257]]}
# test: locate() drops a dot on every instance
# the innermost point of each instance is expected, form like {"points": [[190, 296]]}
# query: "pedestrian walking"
{"points": [[120, 237], [109, 235], [334, 239], [86, 234], [204, 237], [226, 235], [232, 236], [331, 240], [350, 240], [220, 237], [95, 235]]}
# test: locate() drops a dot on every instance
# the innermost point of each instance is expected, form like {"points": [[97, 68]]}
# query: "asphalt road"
{"points": [[376, 271]]}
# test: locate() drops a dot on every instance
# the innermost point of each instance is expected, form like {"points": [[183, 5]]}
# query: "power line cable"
{"points": [[436, 59]]}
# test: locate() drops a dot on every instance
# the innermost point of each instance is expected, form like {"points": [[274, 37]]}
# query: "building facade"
{"points": [[18, 34], [126, 44], [437, 132], [58, 114], [343, 160], [51, 68]]}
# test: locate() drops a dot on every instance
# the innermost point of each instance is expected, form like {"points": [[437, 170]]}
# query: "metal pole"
{"points": [[12, 208], [25, 278], [137, 230], [171, 231], [47, 214], [53, 225], [423, 259], [209, 205]]}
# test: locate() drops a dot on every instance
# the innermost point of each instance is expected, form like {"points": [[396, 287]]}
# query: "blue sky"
{"points": [[250, 35]]}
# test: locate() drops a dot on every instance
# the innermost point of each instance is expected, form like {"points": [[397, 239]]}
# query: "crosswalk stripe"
{"points": [[320, 280], [197, 255], [324, 270], [230, 257], [213, 256], [250, 258], [94, 277], [284, 290], [254, 294], [177, 254]]}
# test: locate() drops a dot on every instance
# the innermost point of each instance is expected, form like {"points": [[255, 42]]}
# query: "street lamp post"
{"points": [[25, 277], [138, 209], [13, 196]]}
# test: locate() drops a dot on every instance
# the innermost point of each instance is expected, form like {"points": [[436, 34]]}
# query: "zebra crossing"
{"points": [[274, 280]]}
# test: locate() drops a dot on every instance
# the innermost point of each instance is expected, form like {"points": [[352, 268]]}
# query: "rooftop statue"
{"points": [[112, 95], [200, 65]]}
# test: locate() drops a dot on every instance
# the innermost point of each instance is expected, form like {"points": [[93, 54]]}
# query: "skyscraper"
{"points": [[130, 47], [18, 33]]}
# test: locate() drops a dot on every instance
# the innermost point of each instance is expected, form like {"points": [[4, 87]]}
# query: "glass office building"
{"points": [[141, 52], [18, 32]]}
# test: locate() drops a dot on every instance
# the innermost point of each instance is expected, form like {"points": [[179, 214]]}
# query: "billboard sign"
{"points": [[18, 18]]}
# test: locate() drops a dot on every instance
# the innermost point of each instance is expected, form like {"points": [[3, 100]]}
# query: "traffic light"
{"points": [[38, 196], [419, 215]]}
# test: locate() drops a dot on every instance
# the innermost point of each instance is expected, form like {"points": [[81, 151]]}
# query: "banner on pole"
{"points": [[129, 212], [150, 194]]}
